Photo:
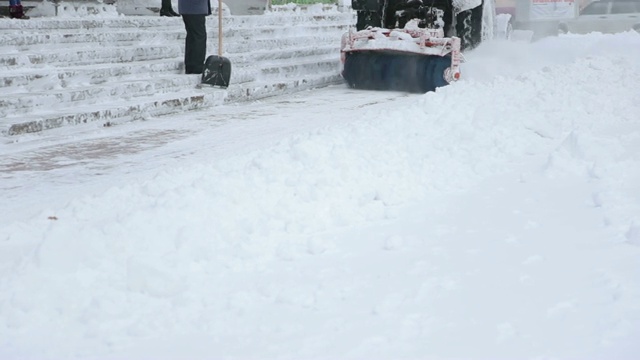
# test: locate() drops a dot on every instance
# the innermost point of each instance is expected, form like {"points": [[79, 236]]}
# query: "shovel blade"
{"points": [[217, 71]]}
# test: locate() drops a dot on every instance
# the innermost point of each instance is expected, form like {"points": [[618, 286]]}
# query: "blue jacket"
{"points": [[194, 7]]}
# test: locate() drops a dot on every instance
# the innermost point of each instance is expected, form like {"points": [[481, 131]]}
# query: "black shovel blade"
{"points": [[217, 71]]}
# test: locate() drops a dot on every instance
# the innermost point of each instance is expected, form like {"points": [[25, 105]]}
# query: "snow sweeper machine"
{"points": [[412, 45]]}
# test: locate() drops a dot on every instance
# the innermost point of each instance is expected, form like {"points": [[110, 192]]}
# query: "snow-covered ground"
{"points": [[496, 218]]}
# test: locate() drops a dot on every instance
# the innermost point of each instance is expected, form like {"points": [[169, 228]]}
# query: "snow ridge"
{"points": [[222, 228]]}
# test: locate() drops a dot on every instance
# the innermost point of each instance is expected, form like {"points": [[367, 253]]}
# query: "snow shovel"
{"points": [[217, 69]]}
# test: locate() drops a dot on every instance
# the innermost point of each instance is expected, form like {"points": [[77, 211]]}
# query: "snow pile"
{"points": [[497, 217]]}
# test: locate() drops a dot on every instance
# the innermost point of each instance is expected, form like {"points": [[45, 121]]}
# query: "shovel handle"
{"points": [[219, 27]]}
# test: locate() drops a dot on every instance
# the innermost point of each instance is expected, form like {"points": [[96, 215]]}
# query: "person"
{"points": [[194, 14], [16, 11], [166, 9]]}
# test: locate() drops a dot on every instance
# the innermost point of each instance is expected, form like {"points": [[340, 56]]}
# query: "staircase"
{"points": [[60, 71]]}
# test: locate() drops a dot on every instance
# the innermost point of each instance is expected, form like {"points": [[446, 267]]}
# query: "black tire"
{"points": [[368, 18], [469, 27]]}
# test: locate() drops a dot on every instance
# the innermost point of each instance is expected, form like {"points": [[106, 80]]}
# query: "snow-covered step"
{"points": [[91, 54], [81, 36], [234, 39], [110, 72], [123, 110], [277, 42], [260, 57], [276, 32], [105, 71], [295, 69], [90, 94], [115, 111], [52, 78], [291, 20], [157, 22], [41, 53], [58, 92], [89, 24], [262, 89], [63, 58], [59, 72]]}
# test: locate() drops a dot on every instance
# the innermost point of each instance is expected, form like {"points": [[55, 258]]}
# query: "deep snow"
{"points": [[496, 218]]}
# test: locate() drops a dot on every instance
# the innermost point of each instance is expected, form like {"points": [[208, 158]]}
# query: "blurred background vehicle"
{"points": [[605, 16]]}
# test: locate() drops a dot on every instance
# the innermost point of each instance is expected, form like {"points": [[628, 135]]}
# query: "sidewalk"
{"points": [[93, 158]]}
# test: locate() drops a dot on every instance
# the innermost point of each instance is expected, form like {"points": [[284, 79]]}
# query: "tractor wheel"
{"points": [[469, 27]]}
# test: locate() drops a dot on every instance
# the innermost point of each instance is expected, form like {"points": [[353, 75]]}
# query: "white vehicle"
{"points": [[605, 16]]}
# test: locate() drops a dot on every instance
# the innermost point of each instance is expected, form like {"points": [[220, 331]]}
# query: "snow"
{"points": [[498, 217]]}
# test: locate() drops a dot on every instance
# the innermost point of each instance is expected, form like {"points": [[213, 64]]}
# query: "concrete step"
{"points": [[63, 71], [193, 98], [277, 32], [234, 39], [273, 19], [89, 24], [279, 42], [278, 70], [72, 37], [328, 64], [51, 78], [282, 57], [263, 89], [64, 77], [80, 54], [89, 85], [91, 55], [113, 112], [56, 99], [157, 22]]}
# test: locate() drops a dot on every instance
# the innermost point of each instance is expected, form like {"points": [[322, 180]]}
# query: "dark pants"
{"points": [[196, 43]]}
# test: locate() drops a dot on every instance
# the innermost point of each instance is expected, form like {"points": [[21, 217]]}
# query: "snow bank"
{"points": [[258, 255]]}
